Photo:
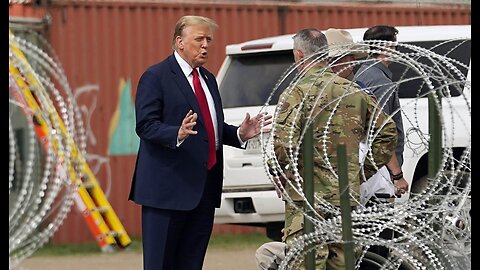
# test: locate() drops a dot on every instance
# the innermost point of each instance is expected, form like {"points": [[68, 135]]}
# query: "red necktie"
{"points": [[207, 118]]}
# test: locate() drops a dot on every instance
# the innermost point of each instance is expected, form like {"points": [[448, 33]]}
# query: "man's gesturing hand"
{"points": [[186, 129], [251, 127]]}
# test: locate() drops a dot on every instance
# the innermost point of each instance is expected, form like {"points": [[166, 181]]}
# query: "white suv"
{"points": [[249, 74]]}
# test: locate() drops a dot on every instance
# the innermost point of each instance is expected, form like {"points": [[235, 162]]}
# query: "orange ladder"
{"points": [[89, 198]]}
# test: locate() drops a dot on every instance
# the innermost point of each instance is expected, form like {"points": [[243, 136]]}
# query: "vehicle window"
{"points": [[251, 78], [459, 50]]}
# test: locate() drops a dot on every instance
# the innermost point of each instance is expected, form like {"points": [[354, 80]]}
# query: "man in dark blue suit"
{"points": [[179, 170]]}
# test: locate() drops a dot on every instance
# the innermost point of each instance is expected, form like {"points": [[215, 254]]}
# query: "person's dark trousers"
{"points": [[387, 234], [177, 240]]}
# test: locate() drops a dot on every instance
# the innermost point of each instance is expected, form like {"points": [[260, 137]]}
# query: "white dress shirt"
{"points": [[187, 71]]}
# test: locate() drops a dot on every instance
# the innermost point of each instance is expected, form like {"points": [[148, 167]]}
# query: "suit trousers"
{"points": [[178, 240]]}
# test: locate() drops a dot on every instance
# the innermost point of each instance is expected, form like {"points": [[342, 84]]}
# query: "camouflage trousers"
{"points": [[327, 257]]}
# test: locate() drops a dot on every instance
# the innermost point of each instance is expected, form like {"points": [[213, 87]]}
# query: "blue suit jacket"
{"points": [[167, 176]]}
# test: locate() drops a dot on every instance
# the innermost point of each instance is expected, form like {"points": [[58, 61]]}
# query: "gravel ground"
{"points": [[216, 259]]}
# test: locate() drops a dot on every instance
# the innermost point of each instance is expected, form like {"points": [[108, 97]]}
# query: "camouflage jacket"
{"points": [[341, 113]]}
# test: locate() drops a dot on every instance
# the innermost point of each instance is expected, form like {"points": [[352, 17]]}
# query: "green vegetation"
{"points": [[227, 241], [79, 249], [234, 241]]}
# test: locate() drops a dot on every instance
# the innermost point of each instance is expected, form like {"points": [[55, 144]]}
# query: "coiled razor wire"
{"points": [[433, 227], [40, 188]]}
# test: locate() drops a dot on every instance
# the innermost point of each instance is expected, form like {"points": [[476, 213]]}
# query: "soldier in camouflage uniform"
{"points": [[341, 113]]}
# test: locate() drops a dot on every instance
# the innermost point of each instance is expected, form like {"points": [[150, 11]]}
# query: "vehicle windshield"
{"points": [[250, 79]]}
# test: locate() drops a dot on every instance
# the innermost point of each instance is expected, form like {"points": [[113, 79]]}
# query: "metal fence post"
{"points": [[345, 206], [435, 130], [308, 190]]}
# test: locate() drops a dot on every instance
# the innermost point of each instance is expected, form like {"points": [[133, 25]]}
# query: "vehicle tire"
{"points": [[373, 261], [419, 185], [422, 183]]}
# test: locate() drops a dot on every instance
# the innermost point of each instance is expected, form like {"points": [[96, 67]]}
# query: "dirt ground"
{"points": [[216, 259]]}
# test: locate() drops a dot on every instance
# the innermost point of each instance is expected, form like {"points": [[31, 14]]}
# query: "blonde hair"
{"points": [[189, 20]]}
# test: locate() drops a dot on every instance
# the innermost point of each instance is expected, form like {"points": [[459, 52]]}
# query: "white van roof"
{"points": [[405, 34]]}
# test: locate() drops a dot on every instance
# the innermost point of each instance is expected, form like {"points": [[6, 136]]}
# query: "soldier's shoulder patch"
{"points": [[370, 93], [284, 107], [364, 88]]}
